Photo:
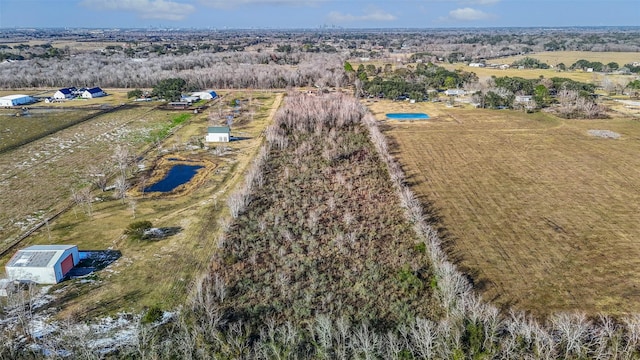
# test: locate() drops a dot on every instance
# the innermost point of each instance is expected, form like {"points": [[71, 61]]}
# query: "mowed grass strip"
{"points": [[543, 216]]}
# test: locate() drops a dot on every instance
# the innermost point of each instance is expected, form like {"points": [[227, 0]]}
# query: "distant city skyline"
{"points": [[286, 14]]}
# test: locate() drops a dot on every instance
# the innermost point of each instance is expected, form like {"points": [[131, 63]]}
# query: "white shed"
{"points": [[218, 134], [205, 95], [523, 98], [43, 264], [15, 100], [454, 92], [93, 93]]}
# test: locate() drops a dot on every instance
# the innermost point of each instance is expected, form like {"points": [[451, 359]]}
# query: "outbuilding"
{"points": [[42, 264], [16, 100], [205, 95], [523, 98], [190, 99], [218, 134], [93, 93], [65, 93], [454, 92]]}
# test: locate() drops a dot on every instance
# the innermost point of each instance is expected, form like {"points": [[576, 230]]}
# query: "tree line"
{"points": [[199, 70]]}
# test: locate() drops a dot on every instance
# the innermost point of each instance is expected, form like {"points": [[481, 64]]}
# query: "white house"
{"points": [[205, 95], [454, 92], [15, 100], [190, 99], [93, 93], [523, 98], [65, 93], [43, 264], [218, 134]]}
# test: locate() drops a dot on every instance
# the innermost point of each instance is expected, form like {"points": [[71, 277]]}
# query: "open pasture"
{"points": [[542, 215], [36, 178], [149, 273], [486, 73], [569, 57], [18, 127]]}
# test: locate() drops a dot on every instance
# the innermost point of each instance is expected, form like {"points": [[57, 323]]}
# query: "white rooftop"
{"points": [[16, 96], [38, 255]]}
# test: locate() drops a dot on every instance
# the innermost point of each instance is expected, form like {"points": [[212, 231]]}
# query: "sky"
{"points": [[312, 14]]}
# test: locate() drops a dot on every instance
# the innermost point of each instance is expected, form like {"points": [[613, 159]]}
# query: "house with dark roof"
{"points": [[94, 92], [65, 93]]}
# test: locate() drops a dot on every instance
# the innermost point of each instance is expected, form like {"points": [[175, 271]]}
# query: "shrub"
{"points": [[136, 229], [153, 314]]}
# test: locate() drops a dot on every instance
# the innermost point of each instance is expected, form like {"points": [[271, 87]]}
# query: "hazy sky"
{"points": [[221, 14]]}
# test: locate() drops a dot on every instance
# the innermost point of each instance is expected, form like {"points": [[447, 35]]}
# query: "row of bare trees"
{"points": [[241, 197], [200, 70]]}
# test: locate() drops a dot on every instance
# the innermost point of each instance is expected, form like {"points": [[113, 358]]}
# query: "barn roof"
{"points": [[218, 129], [67, 91], [38, 255], [94, 90]]}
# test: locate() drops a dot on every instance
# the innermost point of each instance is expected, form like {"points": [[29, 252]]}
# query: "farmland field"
{"points": [[543, 216]]}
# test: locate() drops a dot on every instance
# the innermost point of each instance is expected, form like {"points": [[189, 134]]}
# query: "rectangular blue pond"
{"points": [[407, 116], [177, 175]]}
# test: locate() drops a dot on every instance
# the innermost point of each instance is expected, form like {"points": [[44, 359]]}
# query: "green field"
{"points": [[542, 215]]}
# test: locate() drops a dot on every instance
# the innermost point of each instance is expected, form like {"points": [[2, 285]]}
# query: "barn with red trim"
{"points": [[43, 264]]}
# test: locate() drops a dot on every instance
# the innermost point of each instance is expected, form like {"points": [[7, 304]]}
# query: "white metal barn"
{"points": [[93, 93], [15, 100], [43, 264], [205, 95], [218, 134]]}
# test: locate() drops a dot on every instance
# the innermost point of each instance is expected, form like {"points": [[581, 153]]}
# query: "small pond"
{"points": [[407, 116], [178, 174]]}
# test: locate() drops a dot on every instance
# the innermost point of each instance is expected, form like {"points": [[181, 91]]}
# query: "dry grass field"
{"points": [[553, 58], [148, 273], [543, 216], [19, 126], [485, 73], [570, 57]]}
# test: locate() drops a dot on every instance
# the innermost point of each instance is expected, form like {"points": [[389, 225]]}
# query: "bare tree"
{"points": [[98, 175], [121, 187], [122, 157]]}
